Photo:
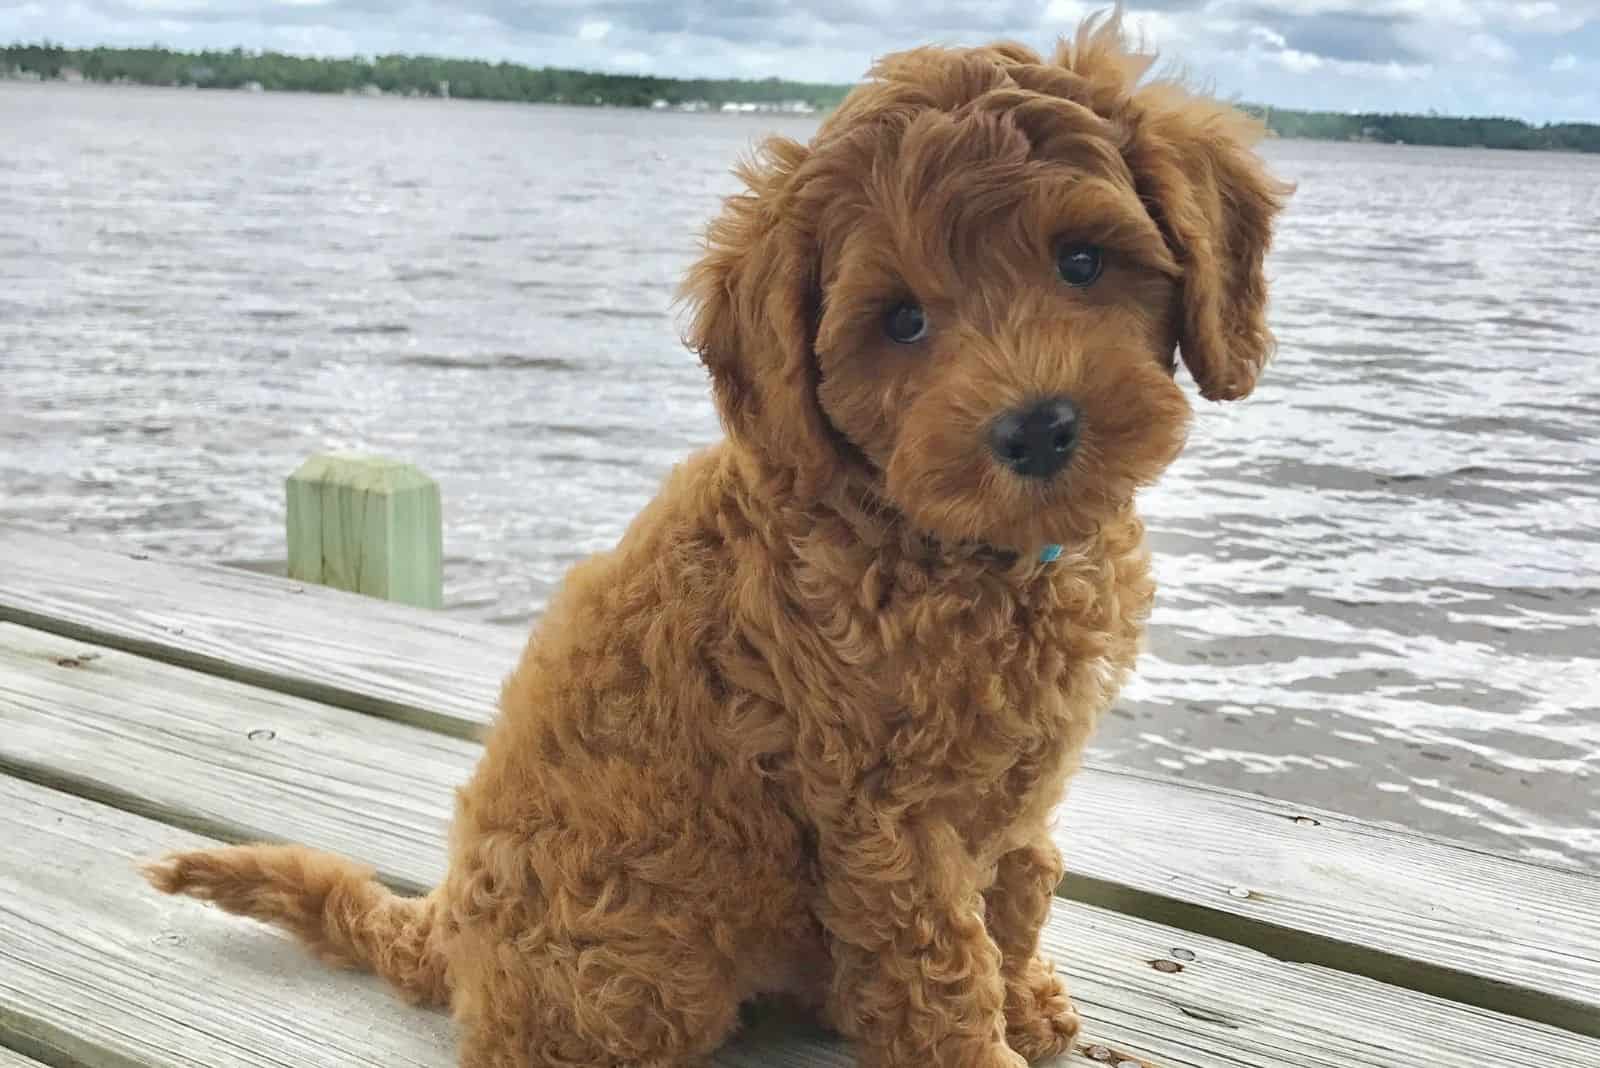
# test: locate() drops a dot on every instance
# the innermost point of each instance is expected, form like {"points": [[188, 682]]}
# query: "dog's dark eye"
{"points": [[1078, 265], [907, 323]]}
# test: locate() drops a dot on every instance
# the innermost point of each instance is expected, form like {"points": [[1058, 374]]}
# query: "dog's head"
{"points": [[973, 285]]}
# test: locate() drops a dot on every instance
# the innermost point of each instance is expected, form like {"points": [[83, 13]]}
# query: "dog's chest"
{"points": [[969, 688], [993, 726]]}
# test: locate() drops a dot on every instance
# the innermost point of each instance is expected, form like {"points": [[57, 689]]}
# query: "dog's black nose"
{"points": [[1036, 440]]}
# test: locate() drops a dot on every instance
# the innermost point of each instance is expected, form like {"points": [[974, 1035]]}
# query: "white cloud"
{"points": [[1297, 62], [1067, 11], [1547, 17], [1268, 37], [1459, 56], [167, 7], [1537, 11], [1155, 29], [1488, 46]]}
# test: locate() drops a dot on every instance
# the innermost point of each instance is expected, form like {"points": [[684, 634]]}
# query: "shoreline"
{"points": [[748, 108]]}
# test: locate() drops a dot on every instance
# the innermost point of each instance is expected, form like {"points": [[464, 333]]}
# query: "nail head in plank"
{"points": [[1279, 1009]]}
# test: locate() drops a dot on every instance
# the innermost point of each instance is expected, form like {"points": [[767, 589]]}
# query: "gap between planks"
{"points": [[246, 764], [10, 1058], [1292, 882], [104, 972]]}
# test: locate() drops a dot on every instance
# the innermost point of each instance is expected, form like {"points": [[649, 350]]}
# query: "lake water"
{"points": [[1380, 575]]}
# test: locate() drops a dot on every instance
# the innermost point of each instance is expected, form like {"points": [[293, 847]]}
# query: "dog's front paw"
{"points": [[1045, 1036], [1000, 1057], [965, 1054], [1040, 1020]]}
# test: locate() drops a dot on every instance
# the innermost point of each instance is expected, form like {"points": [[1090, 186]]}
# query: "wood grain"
{"points": [[366, 524], [1310, 885], [225, 759], [373, 656], [1261, 1011], [118, 727], [99, 971], [1315, 886]]}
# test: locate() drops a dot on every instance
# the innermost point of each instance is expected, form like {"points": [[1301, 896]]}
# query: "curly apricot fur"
{"points": [[801, 731]]}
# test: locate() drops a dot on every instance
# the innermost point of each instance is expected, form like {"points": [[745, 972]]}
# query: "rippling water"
{"points": [[1381, 575]]}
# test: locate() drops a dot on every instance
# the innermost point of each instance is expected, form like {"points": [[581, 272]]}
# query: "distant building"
{"points": [[787, 107]]}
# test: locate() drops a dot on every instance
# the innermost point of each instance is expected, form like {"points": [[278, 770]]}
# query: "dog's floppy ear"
{"points": [[1193, 163], [756, 303]]}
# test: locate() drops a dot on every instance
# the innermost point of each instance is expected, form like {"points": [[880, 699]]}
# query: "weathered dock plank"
{"points": [[176, 744], [225, 759], [13, 1059], [1379, 901], [348, 650], [99, 971], [1308, 885]]}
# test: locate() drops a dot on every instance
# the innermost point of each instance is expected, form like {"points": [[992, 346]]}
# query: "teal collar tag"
{"points": [[1049, 554]]}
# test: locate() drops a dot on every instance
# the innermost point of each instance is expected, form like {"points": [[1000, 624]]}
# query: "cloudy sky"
{"points": [[1536, 59]]}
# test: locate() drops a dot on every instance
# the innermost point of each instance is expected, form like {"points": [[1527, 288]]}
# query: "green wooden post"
{"points": [[368, 525]]}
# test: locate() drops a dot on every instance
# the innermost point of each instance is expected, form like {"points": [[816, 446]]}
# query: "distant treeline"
{"points": [[405, 75], [476, 79], [1432, 130]]}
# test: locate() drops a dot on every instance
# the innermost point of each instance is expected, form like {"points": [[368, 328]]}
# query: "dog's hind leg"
{"points": [[657, 997]]}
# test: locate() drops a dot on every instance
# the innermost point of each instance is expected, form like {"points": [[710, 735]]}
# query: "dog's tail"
{"points": [[333, 905]]}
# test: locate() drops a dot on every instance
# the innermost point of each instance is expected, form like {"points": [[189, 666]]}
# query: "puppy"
{"points": [[800, 733]]}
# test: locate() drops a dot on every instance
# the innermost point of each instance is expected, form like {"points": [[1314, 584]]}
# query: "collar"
{"points": [[861, 509], [1048, 554]]}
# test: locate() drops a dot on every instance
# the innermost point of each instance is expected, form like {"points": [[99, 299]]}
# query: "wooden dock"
{"points": [[147, 706]]}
